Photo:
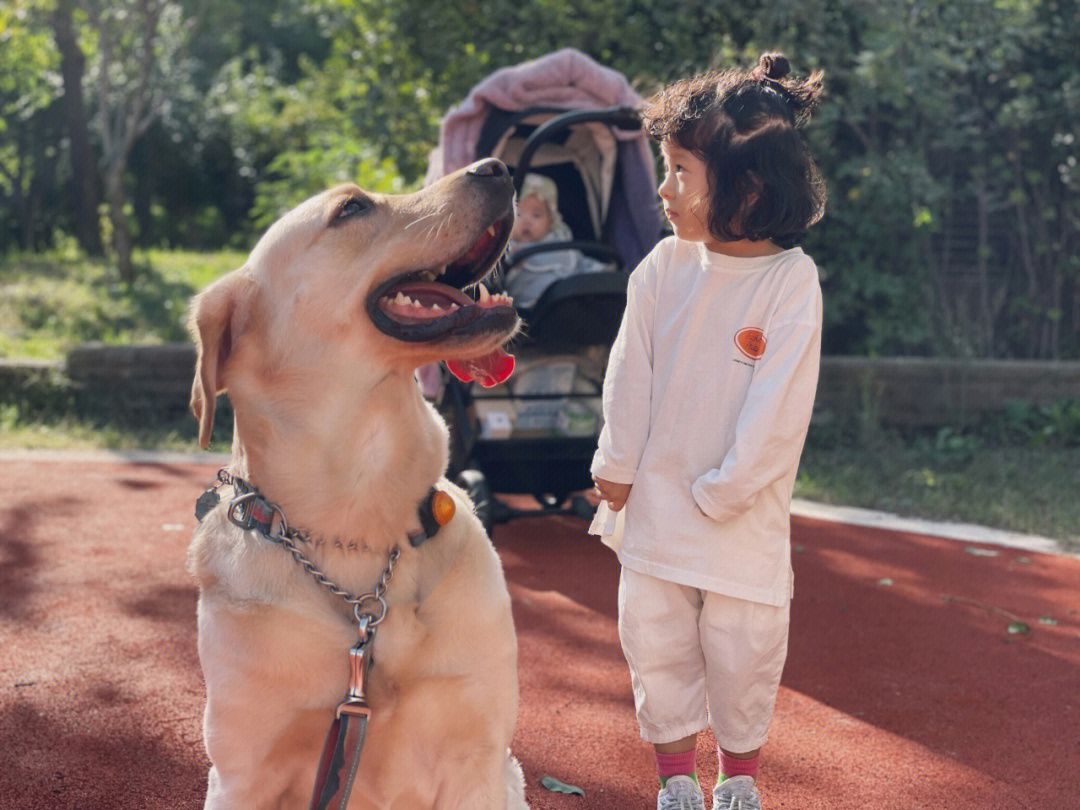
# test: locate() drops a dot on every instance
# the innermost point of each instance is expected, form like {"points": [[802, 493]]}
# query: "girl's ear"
{"points": [[214, 327]]}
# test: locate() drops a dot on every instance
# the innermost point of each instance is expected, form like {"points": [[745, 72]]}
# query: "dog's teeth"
{"points": [[401, 299], [454, 307], [484, 294], [491, 229], [436, 308]]}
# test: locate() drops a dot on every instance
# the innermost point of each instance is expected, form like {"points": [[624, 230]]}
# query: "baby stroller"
{"points": [[536, 433]]}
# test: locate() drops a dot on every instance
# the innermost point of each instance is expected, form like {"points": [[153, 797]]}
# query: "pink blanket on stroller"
{"points": [[566, 78]]}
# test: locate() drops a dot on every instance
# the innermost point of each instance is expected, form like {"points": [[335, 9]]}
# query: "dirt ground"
{"points": [[903, 687]]}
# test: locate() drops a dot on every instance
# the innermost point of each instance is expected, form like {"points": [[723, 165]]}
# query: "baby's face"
{"points": [[533, 219]]}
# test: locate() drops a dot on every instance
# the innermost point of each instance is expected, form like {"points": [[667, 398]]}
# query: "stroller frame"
{"points": [[572, 313]]}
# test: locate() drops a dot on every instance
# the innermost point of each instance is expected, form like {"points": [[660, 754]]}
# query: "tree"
{"points": [[948, 136], [27, 98], [139, 60], [84, 170]]}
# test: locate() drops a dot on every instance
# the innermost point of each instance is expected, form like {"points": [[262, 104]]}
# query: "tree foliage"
{"points": [[29, 148], [948, 136]]}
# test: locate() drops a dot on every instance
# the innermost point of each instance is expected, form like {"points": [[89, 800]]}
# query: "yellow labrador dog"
{"points": [[316, 339]]}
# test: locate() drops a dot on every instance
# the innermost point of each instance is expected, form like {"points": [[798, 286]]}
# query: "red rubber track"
{"points": [[893, 695]]}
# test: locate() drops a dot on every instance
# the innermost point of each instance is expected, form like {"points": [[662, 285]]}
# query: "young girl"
{"points": [[707, 400]]}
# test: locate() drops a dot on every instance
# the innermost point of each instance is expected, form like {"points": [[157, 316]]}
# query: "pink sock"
{"points": [[730, 766], [668, 765]]}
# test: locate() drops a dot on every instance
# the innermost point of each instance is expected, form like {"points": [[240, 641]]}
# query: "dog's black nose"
{"points": [[490, 167]]}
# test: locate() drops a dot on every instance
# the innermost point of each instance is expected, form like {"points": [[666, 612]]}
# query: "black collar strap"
{"points": [[435, 511], [250, 510]]}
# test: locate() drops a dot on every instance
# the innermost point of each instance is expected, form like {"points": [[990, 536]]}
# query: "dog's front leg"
{"points": [[272, 680]]}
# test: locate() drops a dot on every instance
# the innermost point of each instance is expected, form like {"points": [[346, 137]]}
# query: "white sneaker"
{"points": [[736, 793], [680, 793]]}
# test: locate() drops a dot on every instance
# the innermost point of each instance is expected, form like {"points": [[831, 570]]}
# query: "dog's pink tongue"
{"points": [[489, 370]]}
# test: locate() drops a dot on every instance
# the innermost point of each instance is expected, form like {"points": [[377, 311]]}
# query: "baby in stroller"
{"points": [[539, 222]]}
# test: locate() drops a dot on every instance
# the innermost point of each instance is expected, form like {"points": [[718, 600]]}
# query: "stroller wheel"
{"points": [[582, 508], [479, 491], [551, 500]]}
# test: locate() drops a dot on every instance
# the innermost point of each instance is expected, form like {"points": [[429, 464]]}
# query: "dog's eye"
{"points": [[352, 207]]}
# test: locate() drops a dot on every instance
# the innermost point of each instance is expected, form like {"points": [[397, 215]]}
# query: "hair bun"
{"points": [[773, 66]]}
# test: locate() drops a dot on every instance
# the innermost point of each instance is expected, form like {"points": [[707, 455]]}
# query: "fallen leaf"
{"points": [[1048, 620], [885, 581], [1018, 627], [981, 552], [553, 784], [1024, 560]]}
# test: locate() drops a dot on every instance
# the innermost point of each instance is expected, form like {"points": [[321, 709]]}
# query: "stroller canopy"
{"points": [[622, 163]]}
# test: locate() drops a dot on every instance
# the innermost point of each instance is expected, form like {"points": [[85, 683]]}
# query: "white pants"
{"points": [[687, 647]]}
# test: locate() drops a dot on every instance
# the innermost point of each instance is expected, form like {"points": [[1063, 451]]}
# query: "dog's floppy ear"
{"points": [[212, 324]]}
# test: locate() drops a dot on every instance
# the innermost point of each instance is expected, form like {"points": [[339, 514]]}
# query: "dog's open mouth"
{"points": [[426, 305], [450, 303]]}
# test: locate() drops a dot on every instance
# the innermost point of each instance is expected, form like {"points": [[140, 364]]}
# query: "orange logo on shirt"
{"points": [[751, 342]]}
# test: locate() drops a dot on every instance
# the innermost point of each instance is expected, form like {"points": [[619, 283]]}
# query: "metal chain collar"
{"points": [[289, 538]]}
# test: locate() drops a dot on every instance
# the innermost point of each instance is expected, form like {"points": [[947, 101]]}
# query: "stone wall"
{"points": [[938, 391], [157, 369], [897, 390]]}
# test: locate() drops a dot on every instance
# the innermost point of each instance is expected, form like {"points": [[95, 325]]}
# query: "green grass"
{"points": [[52, 302], [1026, 489], [147, 425], [1019, 471], [44, 412], [76, 433]]}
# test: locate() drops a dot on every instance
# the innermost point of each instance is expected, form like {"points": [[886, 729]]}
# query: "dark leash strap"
{"points": [[340, 758], [345, 740]]}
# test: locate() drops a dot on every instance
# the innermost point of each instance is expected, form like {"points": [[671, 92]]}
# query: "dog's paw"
{"points": [[515, 784]]}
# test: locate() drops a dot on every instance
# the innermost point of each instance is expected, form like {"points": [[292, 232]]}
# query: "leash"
{"points": [[250, 511]]}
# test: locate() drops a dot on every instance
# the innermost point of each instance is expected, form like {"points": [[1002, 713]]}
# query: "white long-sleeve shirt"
{"points": [[707, 400]]}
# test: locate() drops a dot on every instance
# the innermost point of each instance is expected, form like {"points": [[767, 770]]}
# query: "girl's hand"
{"points": [[614, 494]]}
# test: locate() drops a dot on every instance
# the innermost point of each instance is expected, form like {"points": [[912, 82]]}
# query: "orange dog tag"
{"points": [[442, 507]]}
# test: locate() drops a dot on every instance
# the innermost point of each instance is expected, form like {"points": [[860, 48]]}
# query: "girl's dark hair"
{"points": [[742, 124]]}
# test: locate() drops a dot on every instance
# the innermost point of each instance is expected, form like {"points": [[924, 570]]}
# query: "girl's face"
{"points": [[533, 219], [685, 194]]}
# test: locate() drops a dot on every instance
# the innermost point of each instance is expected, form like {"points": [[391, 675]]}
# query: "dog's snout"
{"points": [[490, 167]]}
